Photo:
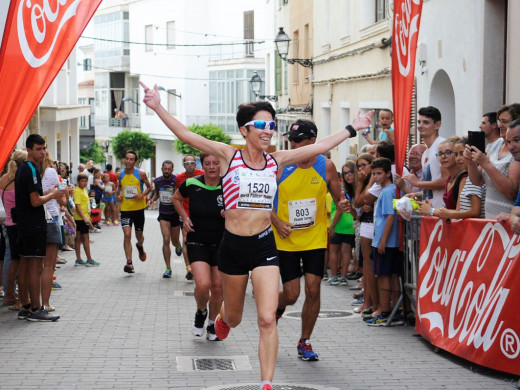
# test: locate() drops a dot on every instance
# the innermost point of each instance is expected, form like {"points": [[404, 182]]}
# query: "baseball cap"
{"points": [[302, 129]]}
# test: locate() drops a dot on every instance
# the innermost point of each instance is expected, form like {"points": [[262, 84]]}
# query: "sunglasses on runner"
{"points": [[297, 138], [262, 125]]}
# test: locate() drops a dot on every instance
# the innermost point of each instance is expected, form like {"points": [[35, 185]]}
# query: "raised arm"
{"points": [[286, 157]]}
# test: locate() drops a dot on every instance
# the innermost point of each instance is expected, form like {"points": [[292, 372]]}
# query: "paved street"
{"points": [[134, 332]]}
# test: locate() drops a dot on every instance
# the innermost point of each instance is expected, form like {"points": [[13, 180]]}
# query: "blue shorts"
{"points": [[109, 198], [389, 263]]}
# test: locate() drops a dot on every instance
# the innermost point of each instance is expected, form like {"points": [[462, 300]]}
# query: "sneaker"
{"points": [[129, 268], [49, 308], [142, 253], [42, 315], [67, 248], [325, 278], [267, 386], [343, 282], [210, 333], [91, 263], [305, 351], [381, 320], [358, 295], [357, 287], [334, 281], [116, 222], [221, 328], [107, 223], [398, 320], [354, 275], [61, 261], [279, 314], [357, 302], [189, 275], [178, 250], [23, 314], [168, 273], [198, 325], [56, 285], [79, 262]]}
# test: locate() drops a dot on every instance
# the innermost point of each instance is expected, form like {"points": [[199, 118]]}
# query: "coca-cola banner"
{"points": [[468, 291], [407, 19], [37, 39]]}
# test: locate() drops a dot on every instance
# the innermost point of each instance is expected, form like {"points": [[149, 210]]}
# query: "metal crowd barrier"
{"points": [[412, 233]]}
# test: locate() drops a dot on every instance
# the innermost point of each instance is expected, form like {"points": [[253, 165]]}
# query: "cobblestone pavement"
{"points": [[134, 332]]}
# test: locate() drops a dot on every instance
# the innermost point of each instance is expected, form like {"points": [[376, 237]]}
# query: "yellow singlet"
{"points": [[131, 185]]}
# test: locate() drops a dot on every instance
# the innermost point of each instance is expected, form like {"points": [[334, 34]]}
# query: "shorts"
{"points": [[34, 245], [237, 255], [82, 227], [290, 263], [174, 219], [54, 233], [340, 238], [109, 198], [389, 263], [135, 217], [12, 236], [366, 230], [207, 253]]}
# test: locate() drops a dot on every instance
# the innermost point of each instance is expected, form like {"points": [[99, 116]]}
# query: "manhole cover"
{"points": [[254, 386], [324, 314], [213, 364]]}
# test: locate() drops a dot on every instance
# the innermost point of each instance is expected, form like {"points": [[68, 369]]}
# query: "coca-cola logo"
{"points": [[405, 28], [468, 286], [39, 25]]}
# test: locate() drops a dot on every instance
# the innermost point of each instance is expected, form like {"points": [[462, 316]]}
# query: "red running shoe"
{"points": [[267, 386], [142, 253], [221, 328]]}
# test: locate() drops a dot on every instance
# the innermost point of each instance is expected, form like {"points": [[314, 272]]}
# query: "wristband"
{"points": [[431, 212], [351, 130]]}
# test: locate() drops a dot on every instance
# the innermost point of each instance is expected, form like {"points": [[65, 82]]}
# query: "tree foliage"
{"points": [[133, 140], [212, 132], [95, 153]]}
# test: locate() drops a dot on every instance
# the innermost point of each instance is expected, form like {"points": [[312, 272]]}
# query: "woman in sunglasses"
{"points": [[249, 187]]}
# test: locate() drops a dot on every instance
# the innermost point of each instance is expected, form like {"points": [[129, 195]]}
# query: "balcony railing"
{"points": [[133, 121]]}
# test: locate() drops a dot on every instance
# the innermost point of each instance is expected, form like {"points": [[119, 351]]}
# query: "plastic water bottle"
{"points": [[94, 205]]}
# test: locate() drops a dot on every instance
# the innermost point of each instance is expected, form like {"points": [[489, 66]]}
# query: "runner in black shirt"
{"points": [[205, 227]]}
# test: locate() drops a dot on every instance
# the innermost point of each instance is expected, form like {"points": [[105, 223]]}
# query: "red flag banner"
{"points": [[38, 37], [407, 19], [468, 291]]}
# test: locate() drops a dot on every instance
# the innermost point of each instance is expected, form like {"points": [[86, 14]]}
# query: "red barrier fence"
{"points": [[468, 289]]}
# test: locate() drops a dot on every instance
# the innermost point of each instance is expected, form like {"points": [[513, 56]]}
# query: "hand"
{"points": [[344, 206], [478, 157], [331, 231], [119, 198], [283, 228], [412, 179], [367, 208], [515, 227], [138, 196], [467, 155], [362, 122], [381, 247], [361, 175], [399, 181], [187, 225], [151, 96], [503, 217], [425, 207], [57, 193]]}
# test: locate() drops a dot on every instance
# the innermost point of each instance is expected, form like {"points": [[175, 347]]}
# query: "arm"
{"points": [[283, 228], [369, 139], [37, 200], [334, 222], [286, 157], [144, 178], [386, 232], [220, 150], [514, 221], [177, 200], [508, 186], [333, 185], [83, 216], [426, 185]]}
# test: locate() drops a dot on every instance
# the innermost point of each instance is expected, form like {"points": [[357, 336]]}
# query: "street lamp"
{"points": [[161, 88], [129, 99], [256, 84], [282, 46]]}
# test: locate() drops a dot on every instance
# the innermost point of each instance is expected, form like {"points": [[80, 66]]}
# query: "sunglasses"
{"points": [[297, 138], [190, 163], [262, 125]]}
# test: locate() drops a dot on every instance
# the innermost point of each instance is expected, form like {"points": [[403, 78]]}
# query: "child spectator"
{"points": [[385, 120], [385, 244], [109, 199], [83, 223]]}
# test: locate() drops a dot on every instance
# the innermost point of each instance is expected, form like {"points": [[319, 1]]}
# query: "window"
{"points": [[382, 8], [172, 101], [148, 37], [249, 33], [170, 35], [277, 73]]}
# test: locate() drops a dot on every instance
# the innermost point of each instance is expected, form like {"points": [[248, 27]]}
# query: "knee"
{"points": [[291, 297], [266, 321], [216, 290], [166, 242], [312, 293], [233, 320], [127, 235], [202, 285]]}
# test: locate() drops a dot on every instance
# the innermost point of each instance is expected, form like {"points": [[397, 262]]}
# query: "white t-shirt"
{"points": [[432, 171], [49, 180], [376, 188]]}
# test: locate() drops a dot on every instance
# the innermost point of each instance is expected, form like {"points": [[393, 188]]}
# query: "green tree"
{"points": [[209, 131], [133, 140], [95, 153]]}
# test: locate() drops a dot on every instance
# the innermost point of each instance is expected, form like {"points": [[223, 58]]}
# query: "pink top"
{"points": [[9, 203], [260, 184]]}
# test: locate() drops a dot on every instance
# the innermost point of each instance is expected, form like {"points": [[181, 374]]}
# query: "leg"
{"points": [[185, 255], [86, 245], [127, 243], [234, 291], [174, 234], [311, 306], [23, 282], [290, 293], [346, 256], [77, 245], [34, 273], [12, 274], [334, 252], [48, 270], [215, 299], [384, 293], [139, 237], [368, 275], [202, 275], [166, 235], [265, 283]]}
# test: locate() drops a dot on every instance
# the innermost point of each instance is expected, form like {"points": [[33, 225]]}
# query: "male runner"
{"points": [[132, 198], [300, 228], [190, 166], [168, 217]]}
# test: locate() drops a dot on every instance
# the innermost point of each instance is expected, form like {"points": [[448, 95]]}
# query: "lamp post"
{"points": [[282, 46], [161, 88], [256, 85]]}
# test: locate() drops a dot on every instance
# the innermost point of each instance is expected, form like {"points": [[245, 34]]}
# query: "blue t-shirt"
{"points": [[384, 208]]}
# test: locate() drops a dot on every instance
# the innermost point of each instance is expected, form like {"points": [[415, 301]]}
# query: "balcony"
{"points": [[133, 121]]}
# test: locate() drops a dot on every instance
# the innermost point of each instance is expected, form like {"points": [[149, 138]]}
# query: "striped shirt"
{"points": [[258, 185], [471, 189]]}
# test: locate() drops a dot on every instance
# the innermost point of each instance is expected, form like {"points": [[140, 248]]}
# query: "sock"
{"points": [[303, 341], [265, 383], [211, 322], [202, 310], [33, 309], [188, 268], [27, 307], [129, 262]]}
